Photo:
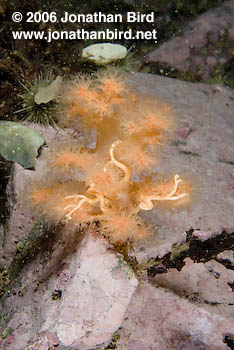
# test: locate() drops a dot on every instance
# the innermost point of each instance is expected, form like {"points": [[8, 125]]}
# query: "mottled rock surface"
{"points": [[96, 290], [206, 284], [21, 218], [204, 45], [80, 305], [202, 151], [158, 319], [93, 285], [227, 255]]}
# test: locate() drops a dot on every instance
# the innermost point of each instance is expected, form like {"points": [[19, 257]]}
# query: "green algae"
{"points": [[26, 251]]}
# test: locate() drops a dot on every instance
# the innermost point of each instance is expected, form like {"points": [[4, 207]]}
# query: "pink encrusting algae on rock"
{"points": [[97, 185]]}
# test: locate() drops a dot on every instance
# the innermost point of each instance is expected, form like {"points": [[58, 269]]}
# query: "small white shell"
{"points": [[104, 53]]}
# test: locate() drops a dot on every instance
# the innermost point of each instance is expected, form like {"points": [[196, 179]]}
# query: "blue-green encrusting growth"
{"points": [[19, 144]]}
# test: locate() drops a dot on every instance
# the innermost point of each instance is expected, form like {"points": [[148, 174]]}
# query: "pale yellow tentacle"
{"points": [[147, 203], [120, 165]]}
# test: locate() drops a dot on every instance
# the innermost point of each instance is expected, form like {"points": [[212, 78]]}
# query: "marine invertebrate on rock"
{"points": [[104, 53], [39, 99], [109, 54], [128, 127], [19, 144]]}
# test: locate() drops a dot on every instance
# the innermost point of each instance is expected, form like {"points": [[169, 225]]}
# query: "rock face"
{"points": [[80, 299], [202, 151], [21, 221], [158, 319], [93, 288], [96, 290], [204, 45], [207, 284]]}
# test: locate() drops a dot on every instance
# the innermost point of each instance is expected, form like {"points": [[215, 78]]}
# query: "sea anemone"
{"points": [[123, 226], [54, 201], [136, 157], [112, 83], [130, 62], [69, 159], [100, 185]]}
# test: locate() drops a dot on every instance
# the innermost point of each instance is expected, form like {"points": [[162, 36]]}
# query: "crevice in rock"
{"points": [[229, 341], [195, 249]]}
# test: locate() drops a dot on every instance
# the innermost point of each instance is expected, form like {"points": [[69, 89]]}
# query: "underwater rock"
{"points": [[159, 319], [156, 316], [94, 297], [81, 304], [226, 255], [21, 222], [209, 117], [207, 285], [202, 49]]}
